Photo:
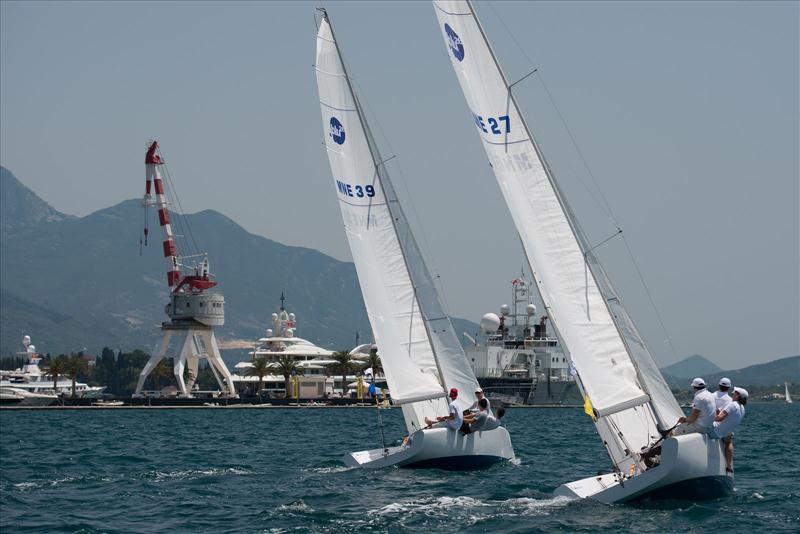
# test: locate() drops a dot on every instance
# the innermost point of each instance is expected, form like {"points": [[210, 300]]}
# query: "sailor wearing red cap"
{"points": [[454, 417]]}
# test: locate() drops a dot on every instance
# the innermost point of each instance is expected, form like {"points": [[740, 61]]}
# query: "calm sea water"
{"points": [[279, 470]]}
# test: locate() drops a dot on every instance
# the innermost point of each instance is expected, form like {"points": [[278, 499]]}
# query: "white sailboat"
{"points": [[421, 355], [632, 405], [787, 397]]}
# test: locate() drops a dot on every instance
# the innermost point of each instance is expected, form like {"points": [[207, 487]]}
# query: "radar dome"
{"points": [[530, 309], [504, 309], [274, 316], [31, 348], [269, 332], [291, 317], [289, 332], [490, 322], [26, 340]]}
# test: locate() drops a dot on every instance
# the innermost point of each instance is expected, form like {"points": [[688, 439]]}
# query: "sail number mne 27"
{"points": [[493, 124]]}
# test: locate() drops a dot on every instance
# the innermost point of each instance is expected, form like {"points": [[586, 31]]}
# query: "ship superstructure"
{"points": [[520, 362], [280, 340], [30, 379]]}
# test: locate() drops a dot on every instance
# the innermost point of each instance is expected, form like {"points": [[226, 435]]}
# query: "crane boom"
{"points": [[155, 196], [153, 181]]}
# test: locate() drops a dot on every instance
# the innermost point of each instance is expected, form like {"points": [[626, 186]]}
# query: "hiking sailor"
{"points": [[722, 397], [492, 421], [454, 417], [474, 408], [703, 411], [475, 421], [727, 420]]}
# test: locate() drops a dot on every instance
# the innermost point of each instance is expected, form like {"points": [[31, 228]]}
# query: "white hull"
{"points": [[20, 397], [440, 448], [692, 467]]}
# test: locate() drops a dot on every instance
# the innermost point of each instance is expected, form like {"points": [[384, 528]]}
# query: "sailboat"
{"points": [[420, 351], [624, 392], [787, 397]]}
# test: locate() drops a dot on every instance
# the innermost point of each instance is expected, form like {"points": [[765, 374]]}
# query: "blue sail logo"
{"points": [[454, 42], [337, 131]]}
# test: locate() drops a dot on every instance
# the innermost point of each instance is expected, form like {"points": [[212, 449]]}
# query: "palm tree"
{"points": [[374, 361], [55, 368], [161, 369], [344, 364], [260, 369], [76, 364], [286, 366]]}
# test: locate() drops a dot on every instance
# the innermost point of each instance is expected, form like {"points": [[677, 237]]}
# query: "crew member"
{"points": [[454, 418], [474, 406], [703, 410], [493, 422], [722, 397], [476, 421], [727, 420]]}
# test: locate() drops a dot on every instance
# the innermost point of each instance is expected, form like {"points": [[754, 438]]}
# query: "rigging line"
{"points": [[606, 206], [668, 340], [192, 247], [424, 245], [603, 242]]}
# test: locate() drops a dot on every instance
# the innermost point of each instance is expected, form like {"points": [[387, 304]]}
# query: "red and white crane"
{"points": [[193, 310]]}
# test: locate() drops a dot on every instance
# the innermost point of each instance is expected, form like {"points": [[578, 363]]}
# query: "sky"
{"points": [[686, 114]]}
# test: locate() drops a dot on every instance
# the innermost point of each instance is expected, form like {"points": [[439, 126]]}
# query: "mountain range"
{"points": [[74, 282], [82, 282], [760, 374]]}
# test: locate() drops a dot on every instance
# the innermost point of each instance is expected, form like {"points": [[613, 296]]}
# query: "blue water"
{"points": [[279, 470]]}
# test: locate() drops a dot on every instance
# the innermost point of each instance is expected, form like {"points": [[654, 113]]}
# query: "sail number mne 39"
{"points": [[355, 190]]}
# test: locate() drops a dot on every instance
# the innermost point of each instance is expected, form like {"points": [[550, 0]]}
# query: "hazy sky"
{"points": [[686, 112]]}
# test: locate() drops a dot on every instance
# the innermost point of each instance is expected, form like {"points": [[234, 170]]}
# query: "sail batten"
{"points": [[623, 384]]}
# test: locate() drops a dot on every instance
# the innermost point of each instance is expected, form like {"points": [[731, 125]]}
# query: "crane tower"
{"points": [[193, 310]]}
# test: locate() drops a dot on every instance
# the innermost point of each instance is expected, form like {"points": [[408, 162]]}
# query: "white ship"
{"points": [[520, 363], [317, 381], [30, 379]]}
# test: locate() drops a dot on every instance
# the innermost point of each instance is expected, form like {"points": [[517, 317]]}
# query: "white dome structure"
{"points": [[490, 322]]}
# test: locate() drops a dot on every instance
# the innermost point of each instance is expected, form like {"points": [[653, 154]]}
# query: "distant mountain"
{"points": [[81, 282], [19, 206], [692, 366], [762, 374]]}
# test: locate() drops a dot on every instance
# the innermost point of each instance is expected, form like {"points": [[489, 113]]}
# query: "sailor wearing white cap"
{"points": [[728, 420], [721, 397], [474, 406], [703, 410]]}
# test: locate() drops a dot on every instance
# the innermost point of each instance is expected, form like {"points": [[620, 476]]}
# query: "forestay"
{"points": [[397, 288], [579, 308]]}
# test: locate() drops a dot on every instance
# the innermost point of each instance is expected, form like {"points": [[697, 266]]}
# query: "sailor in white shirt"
{"points": [[703, 411], [454, 417], [727, 420], [721, 397], [474, 406]]}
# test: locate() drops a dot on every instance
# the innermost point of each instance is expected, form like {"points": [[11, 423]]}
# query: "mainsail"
{"points": [[420, 352], [629, 396]]}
